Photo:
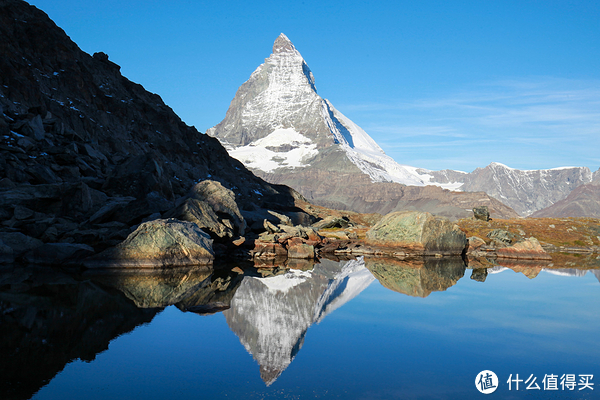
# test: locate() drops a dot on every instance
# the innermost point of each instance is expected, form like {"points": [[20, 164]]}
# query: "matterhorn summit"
{"points": [[277, 122]]}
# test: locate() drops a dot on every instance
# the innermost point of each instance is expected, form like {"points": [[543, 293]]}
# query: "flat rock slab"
{"points": [[528, 249]]}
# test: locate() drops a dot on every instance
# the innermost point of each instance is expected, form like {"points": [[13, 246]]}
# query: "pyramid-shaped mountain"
{"points": [[280, 128], [277, 122]]}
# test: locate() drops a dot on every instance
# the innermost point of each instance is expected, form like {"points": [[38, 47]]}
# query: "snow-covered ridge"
{"points": [[366, 154]]}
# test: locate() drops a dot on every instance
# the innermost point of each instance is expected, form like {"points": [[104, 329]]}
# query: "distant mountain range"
{"points": [[281, 129]]}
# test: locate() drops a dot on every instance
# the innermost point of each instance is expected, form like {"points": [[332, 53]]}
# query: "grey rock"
{"points": [[269, 227], [503, 238], [418, 232], [482, 213], [221, 199], [283, 219], [19, 243], [34, 128], [331, 222], [106, 211], [202, 214], [6, 254], [164, 243], [21, 212]]}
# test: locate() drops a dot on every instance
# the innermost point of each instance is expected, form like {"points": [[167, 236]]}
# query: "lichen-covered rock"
{"points": [[502, 238], [161, 243], [418, 232], [331, 222]]}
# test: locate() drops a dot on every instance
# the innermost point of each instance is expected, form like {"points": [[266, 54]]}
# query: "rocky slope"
{"points": [[279, 127], [86, 154], [583, 201]]}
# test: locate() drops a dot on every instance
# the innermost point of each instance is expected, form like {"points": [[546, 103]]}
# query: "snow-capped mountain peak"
{"points": [[280, 101], [283, 44]]}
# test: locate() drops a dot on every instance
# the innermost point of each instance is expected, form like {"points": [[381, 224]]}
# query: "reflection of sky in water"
{"points": [[380, 345]]}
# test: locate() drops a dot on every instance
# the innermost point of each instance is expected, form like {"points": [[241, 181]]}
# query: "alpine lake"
{"points": [[362, 328]]}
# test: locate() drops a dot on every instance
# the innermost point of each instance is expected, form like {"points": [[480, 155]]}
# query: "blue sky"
{"points": [[438, 84]]}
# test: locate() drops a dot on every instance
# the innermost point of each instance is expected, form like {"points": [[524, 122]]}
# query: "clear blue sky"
{"points": [[438, 84]]}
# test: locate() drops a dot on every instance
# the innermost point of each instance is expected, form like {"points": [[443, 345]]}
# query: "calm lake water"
{"points": [[374, 329]]}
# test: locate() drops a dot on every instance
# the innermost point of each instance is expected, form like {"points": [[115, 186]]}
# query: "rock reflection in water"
{"points": [[418, 277], [189, 289], [271, 315], [48, 319]]}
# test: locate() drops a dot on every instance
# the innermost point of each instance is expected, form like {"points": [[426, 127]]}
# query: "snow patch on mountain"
{"points": [[282, 148], [283, 283]]}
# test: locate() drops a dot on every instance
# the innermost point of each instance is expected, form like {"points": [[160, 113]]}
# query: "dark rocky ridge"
{"points": [[85, 153]]}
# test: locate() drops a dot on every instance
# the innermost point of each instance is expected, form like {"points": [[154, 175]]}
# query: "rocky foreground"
{"points": [[97, 172]]}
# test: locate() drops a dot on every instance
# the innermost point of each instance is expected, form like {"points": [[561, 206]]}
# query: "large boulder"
{"points": [[222, 201], [162, 243], [202, 214], [481, 213], [418, 233]]}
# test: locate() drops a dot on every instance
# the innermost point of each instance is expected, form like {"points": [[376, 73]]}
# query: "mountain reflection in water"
{"points": [[271, 315], [49, 319]]}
